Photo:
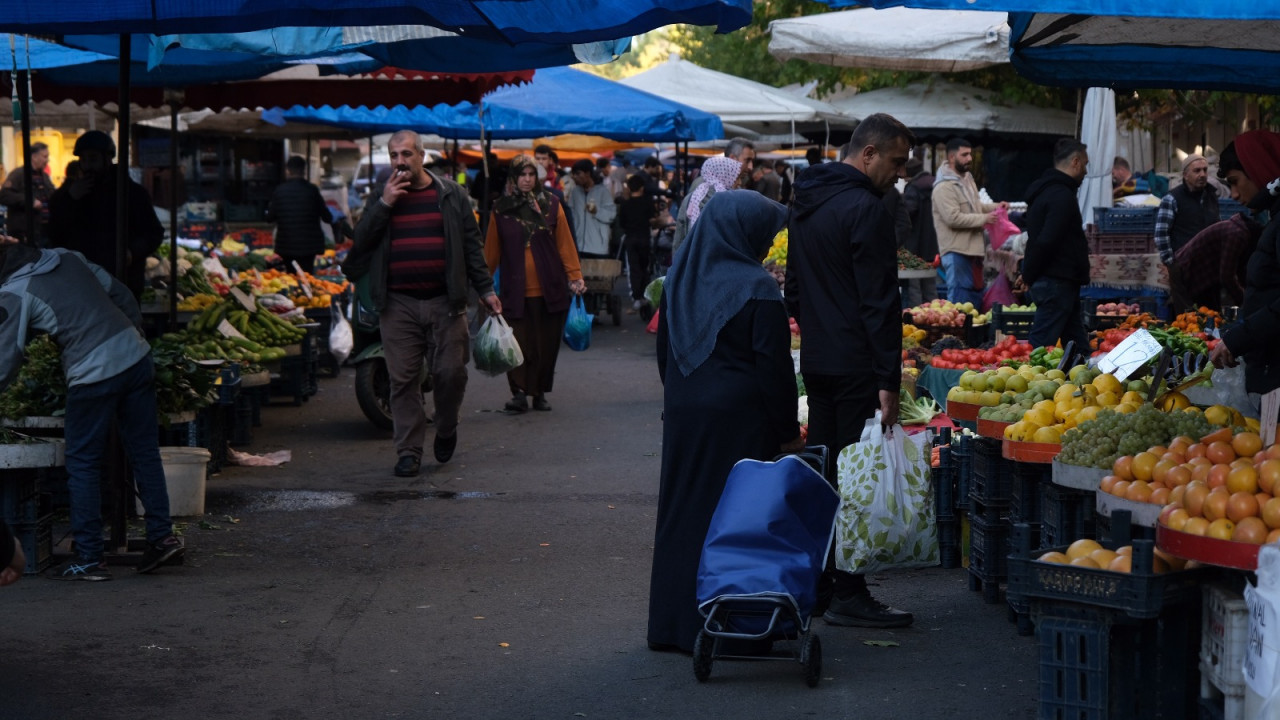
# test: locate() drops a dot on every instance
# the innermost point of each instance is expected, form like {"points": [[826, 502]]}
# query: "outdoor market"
{"points": [[889, 359]]}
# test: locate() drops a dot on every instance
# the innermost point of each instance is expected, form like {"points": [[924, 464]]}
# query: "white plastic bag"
{"points": [[341, 340], [494, 349], [886, 518], [1261, 666]]}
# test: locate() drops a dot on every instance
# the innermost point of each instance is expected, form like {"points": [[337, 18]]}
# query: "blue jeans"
{"points": [[1058, 315], [129, 400], [960, 271]]}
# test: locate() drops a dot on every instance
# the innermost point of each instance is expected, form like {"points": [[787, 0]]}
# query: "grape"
{"points": [[1099, 442]]}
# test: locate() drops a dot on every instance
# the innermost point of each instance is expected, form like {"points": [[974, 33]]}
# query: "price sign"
{"points": [[302, 279], [1132, 353], [229, 330], [245, 301]]}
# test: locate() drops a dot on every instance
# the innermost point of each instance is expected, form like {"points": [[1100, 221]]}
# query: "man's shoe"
{"points": [[862, 610], [408, 466], [163, 552], [518, 403], [77, 569], [540, 403], [444, 447]]}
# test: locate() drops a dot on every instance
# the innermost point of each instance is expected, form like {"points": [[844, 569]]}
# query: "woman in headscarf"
{"points": [[718, 174], [724, 355], [530, 242]]}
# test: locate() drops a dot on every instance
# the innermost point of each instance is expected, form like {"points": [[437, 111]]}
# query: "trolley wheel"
{"points": [[702, 647], [615, 309], [811, 658]]}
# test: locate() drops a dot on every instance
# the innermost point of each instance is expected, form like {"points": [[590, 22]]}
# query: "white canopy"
{"points": [[736, 100], [945, 106], [896, 38]]}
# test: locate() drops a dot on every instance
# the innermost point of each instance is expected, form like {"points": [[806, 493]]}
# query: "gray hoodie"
{"points": [[90, 315]]}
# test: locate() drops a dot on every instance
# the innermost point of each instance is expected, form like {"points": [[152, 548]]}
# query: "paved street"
{"points": [[511, 583]]}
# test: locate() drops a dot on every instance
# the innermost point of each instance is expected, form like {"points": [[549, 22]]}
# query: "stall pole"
{"points": [[28, 179], [116, 481], [174, 100]]}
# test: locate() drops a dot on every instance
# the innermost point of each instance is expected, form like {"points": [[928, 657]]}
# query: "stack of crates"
{"points": [[1224, 638], [990, 492], [962, 458], [297, 378], [1066, 515], [27, 513], [1025, 505], [944, 498]]}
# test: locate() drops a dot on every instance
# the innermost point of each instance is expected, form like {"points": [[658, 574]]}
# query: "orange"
{"points": [[1269, 475], [1221, 529], [1220, 452], [1196, 526], [1162, 468], [1193, 499], [1159, 496], [1200, 471], [1142, 465], [1218, 475], [1271, 513], [1054, 557], [1177, 458], [1122, 467], [1107, 482], [1103, 556], [1243, 479], [1273, 536], [1176, 495], [1180, 475], [1242, 462], [1250, 530], [1241, 505], [1195, 450], [1139, 491], [1273, 452], [1263, 499], [1120, 488], [1082, 547], [1085, 561], [1174, 562], [1215, 505], [1246, 443], [1121, 563], [1180, 444], [1177, 519], [1157, 450]]}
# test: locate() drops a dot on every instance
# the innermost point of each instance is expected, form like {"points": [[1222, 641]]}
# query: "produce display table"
{"points": [[993, 429], [1030, 452], [1077, 477], [938, 382], [1141, 513], [1225, 553], [963, 411]]}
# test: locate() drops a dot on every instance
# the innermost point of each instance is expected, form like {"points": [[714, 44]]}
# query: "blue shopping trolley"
{"points": [[764, 553]]}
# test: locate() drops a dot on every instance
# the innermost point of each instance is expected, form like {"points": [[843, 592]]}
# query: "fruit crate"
{"points": [[962, 459], [36, 539], [988, 557], [992, 478], [1224, 637], [944, 486], [1102, 665], [1094, 321], [949, 544], [1108, 220], [1116, 243], [19, 495], [988, 512], [1024, 503], [1021, 535], [1066, 514], [1012, 322]]}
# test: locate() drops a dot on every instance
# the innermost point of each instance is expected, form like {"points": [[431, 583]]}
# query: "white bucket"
{"points": [[184, 476]]}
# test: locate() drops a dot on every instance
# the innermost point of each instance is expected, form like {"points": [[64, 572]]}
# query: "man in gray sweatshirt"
{"points": [[95, 321]]}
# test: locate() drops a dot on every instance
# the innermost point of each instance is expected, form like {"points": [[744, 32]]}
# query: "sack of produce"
{"points": [[577, 329], [886, 518], [494, 350]]}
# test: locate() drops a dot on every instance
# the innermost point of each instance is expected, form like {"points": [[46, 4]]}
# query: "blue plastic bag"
{"points": [[577, 329]]}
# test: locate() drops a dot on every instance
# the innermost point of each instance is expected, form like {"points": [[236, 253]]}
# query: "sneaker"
{"points": [[862, 610], [78, 569], [408, 466], [167, 551], [540, 404], [518, 403], [444, 447]]}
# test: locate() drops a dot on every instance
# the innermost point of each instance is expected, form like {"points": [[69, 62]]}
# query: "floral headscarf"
{"points": [[719, 172], [530, 209]]}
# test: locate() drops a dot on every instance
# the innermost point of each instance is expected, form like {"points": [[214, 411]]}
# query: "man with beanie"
{"points": [[298, 209], [1056, 263], [959, 215], [1250, 166], [82, 214], [1184, 212]]}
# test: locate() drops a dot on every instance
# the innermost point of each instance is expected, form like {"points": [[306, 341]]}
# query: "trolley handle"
{"points": [[815, 456]]}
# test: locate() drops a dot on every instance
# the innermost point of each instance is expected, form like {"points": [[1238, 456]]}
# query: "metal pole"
{"points": [[28, 176], [174, 102], [122, 168]]}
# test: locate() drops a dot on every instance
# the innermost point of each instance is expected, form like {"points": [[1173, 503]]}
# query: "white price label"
{"points": [[245, 301], [302, 279], [1261, 652], [1132, 353], [229, 330]]}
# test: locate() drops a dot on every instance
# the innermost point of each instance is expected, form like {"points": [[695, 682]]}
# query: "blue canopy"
{"points": [[555, 102], [512, 21]]}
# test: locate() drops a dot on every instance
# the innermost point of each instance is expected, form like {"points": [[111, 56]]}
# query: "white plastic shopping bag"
{"points": [[341, 341], [494, 350], [886, 518]]}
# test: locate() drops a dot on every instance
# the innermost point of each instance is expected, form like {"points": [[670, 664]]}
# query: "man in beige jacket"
{"points": [[958, 217]]}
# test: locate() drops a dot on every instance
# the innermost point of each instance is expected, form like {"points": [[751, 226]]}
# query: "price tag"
{"points": [[257, 276], [1260, 654], [1132, 353], [229, 330], [302, 279], [245, 301], [1270, 411]]}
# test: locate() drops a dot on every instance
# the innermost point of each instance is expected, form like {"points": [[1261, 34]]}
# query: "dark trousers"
{"points": [[539, 333], [414, 331], [839, 407], [306, 262], [639, 258], [1058, 314]]}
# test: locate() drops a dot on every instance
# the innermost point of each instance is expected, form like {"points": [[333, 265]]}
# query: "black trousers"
{"points": [[639, 260]]}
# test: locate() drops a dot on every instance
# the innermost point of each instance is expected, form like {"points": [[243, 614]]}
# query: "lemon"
{"points": [[1047, 435], [1218, 415], [1107, 382], [1065, 391], [1107, 399], [1039, 416]]}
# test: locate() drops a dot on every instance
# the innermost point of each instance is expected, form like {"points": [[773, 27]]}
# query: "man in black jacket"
{"points": [[298, 209], [842, 288], [923, 241], [1056, 264]]}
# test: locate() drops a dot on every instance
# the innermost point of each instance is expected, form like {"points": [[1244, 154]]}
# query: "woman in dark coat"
{"points": [[724, 355]]}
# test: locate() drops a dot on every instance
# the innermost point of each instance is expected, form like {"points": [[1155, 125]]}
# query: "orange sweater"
{"points": [[564, 246]]}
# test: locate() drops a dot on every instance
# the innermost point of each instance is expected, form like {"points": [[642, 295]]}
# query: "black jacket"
{"points": [[1256, 337], [298, 209], [842, 276], [88, 226], [918, 199], [1056, 245]]}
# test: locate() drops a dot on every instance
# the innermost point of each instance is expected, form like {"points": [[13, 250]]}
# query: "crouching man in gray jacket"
{"points": [[94, 319]]}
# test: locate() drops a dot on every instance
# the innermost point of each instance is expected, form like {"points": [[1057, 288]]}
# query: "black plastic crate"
{"points": [[36, 539], [228, 391], [949, 544], [1021, 535], [1101, 665], [944, 486], [209, 430], [1124, 220], [988, 558], [1024, 503], [949, 557], [1012, 322], [992, 478], [1067, 514], [18, 490], [988, 512], [962, 459]]}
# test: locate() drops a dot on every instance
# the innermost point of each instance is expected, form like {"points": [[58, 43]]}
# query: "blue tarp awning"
{"points": [[512, 21], [557, 101]]}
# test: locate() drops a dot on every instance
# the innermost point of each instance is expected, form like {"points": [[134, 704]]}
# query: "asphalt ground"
{"points": [[510, 583]]}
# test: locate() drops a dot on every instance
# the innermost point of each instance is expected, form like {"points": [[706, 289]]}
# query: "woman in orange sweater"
{"points": [[530, 242]]}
